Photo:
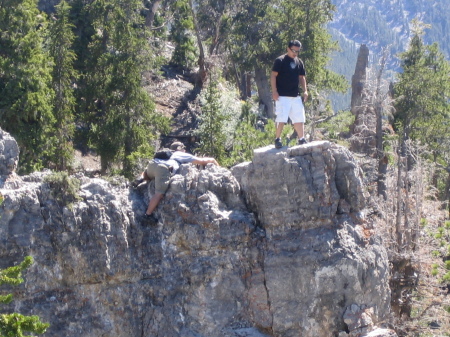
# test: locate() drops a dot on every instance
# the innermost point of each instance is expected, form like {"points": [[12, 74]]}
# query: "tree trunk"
{"points": [[382, 158], [128, 148], [151, 14], [104, 164], [381, 179], [202, 72], [398, 220], [264, 91], [248, 85], [418, 207], [447, 192]]}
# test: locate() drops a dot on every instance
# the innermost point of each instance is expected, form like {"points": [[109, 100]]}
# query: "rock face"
{"points": [[359, 79], [318, 257], [9, 154], [275, 247], [362, 129]]}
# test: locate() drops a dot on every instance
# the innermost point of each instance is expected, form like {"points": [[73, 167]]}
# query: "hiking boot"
{"points": [[137, 182], [278, 143], [149, 219], [301, 141]]}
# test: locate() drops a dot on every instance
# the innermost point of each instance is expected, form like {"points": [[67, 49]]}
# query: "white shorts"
{"points": [[289, 107]]}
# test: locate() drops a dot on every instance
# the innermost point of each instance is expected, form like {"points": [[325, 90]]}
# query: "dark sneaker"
{"points": [[301, 141], [149, 219], [278, 143], [137, 182]]}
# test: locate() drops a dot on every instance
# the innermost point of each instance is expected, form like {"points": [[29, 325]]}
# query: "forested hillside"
{"points": [[81, 67], [119, 79]]}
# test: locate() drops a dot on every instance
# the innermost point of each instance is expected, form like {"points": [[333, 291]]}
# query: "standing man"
{"points": [[162, 169], [288, 72]]}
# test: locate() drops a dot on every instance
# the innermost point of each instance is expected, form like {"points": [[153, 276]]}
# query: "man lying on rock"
{"points": [[161, 170]]}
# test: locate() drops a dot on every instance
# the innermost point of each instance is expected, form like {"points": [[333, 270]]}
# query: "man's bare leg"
{"points": [[280, 127], [300, 129]]}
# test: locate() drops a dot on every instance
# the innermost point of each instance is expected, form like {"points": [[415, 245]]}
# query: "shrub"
{"points": [[64, 188], [13, 325]]}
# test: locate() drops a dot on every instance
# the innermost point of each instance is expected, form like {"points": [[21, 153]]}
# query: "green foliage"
{"points": [[64, 188], [422, 106], [337, 125], [139, 158], [447, 264], [261, 31], [119, 113], [436, 253], [446, 277], [13, 275], [25, 82], [185, 52], [434, 269], [15, 325], [247, 138], [447, 224], [251, 134], [440, 233], [212, 123], [423, 222], [61, 39]]}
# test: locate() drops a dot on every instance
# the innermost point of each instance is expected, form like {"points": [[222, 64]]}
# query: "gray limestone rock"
{"points": [[318, 258], [275, 247], [9, 153]]}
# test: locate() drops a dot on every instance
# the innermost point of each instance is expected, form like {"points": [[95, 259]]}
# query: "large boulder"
{"points": [[274, 247], [318, 255]]}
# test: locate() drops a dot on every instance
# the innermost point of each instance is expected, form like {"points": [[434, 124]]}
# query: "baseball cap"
{"points": [[177, 146]]}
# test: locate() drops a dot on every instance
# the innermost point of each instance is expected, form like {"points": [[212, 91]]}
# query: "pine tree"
{"points": [[184, 55], [261, 32], [212, 119], [26, 95], [422, 92], [64, 75], [119, 112], [15, 325]]}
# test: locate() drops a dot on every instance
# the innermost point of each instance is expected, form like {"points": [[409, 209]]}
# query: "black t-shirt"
{"points": [[288, 70]]}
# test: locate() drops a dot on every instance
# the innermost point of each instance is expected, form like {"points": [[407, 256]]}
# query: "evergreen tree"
{"points": [[119, 112], [422, 95], [15, 325], [423, 107], [251, 133], [26, 95], [211, 126], [262, 30], [184, 55], [60, 47]]}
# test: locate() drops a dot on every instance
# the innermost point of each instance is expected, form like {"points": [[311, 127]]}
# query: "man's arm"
{"points": [[273, 83], [304, 88], [205, 160]]}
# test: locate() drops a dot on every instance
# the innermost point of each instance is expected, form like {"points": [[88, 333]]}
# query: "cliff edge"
{"points": [[274, 247]]}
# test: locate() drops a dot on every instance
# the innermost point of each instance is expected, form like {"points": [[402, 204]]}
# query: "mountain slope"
{"points": [[383, 24], [380, 23]]}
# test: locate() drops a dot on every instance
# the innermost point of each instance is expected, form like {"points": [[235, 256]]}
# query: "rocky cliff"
{"points": [[275, 247]]}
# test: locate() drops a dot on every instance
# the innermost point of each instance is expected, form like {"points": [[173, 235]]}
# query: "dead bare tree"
{"points": [[380, 98], [318, 111]]}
